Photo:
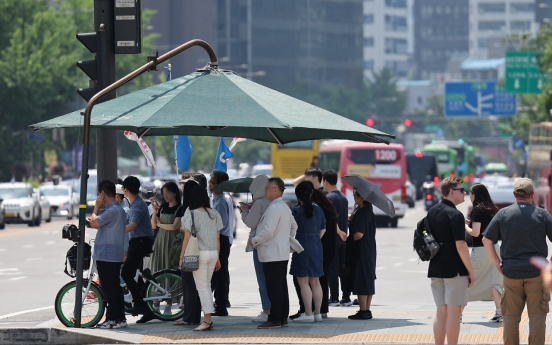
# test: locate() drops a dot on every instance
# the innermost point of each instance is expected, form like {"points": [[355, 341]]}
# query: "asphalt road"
{"points": [[32, 264]]}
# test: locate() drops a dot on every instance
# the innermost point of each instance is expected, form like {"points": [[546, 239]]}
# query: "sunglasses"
{"points": [[460, 189]]}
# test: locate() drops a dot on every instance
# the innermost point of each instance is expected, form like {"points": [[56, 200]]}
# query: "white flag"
{"points": [[143, 146]]}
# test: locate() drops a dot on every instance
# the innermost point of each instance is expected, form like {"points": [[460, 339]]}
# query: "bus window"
{"points": [[329, 160]]}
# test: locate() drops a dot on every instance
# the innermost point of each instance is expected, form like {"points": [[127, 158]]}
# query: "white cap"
{"points": [[119, 189]]}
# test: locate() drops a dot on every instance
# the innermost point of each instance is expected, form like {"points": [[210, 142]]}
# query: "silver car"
{"points": [[21, 203], [63, 201]]}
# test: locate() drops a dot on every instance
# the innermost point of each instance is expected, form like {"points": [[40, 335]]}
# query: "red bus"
{"points": [[383, 165], [539, 163]]}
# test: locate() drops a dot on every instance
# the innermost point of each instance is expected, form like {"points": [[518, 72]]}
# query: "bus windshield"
{"points": [[441, 157], [329, 160]]}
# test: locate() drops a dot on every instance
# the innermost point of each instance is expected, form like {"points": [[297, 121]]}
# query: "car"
{"points": [[20, 203], [502, 193], [63, 201], [261, 169], [45, 207], [410, 194], [91, 190]]}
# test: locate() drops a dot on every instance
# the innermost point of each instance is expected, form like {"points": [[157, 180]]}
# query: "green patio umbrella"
{"points": [[239, 185], [215, 102]]}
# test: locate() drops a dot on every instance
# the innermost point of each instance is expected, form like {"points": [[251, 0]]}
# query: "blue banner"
{"points": [[222, 155], [183, 152]]}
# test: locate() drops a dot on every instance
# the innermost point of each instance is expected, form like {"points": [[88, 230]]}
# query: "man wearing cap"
{"points": [[523, 229]]}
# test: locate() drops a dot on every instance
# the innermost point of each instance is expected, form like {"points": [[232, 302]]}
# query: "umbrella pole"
{"points": [[151, 65]]}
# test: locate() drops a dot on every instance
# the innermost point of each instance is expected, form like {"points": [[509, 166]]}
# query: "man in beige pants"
{"points": [[523, 229]]}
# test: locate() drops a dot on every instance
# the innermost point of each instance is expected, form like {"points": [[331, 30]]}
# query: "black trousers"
{"points": [[220, 282], [324, 308], [276, 287], [334, 276], [192, 304], [111, 287], [138, 249]]}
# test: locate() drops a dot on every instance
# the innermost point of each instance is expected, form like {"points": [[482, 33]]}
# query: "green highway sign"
{"points": [[522, 72]]}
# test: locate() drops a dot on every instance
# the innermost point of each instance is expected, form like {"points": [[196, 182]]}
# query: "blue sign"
{"points": [[36, 137], [518, 143], [478, 99]]}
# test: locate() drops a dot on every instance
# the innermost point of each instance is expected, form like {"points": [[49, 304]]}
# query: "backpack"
{"points": [[424, 242], [71, 257]]}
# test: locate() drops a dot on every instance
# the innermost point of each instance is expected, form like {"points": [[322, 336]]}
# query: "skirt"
{"points": [[161, 248], [486, 275]]}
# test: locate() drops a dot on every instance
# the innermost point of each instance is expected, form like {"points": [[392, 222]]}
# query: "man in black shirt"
{"points": [[450, 269]]}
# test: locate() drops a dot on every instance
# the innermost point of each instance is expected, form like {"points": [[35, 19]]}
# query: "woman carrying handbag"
{"points": [[206, 223]]}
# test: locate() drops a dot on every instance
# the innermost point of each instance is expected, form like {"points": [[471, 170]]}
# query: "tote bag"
{"points": [[190, 262]]}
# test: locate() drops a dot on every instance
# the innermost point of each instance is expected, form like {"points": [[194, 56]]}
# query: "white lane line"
{"points": [[17, 278], [9, 272], [3, 249], [412, 259], [50, 242], [24, 312], [381, 268], [33, 259], [398, 264]]}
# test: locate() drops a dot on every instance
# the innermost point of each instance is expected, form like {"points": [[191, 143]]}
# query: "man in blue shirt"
{"points": [[222, 202], [109, 251], [140, 245]]}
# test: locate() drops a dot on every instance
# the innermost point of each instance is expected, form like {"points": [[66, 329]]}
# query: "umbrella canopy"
{"points": [[215, 102], [239, 185], [371, 193]]}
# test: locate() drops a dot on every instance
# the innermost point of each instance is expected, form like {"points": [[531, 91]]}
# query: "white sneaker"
{"points": [[107, 325], [168, 309], [304, 318], [261, 318], [120, 324], [317, 317]]}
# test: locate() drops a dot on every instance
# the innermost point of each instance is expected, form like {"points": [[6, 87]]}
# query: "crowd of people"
{"points": [[330, 248]]}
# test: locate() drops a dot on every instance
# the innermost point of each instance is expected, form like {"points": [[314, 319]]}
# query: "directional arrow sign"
{"points": [[477, 99], [522, 72]]}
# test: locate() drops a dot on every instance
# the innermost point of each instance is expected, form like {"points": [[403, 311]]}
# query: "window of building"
{"points": [[395, 23], [482, 43], [491, 25], [522, 7], [368, 19], [369, 64], [395, 46], [491, 7], [399, 68], [368, 41], [395, 3], [520, 25]]}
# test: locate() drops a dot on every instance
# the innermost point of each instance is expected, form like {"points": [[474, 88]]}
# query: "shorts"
{"points": [[450, 291]]}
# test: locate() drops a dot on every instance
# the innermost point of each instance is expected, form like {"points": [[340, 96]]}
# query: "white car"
{"points": [[45, 207], [261, 169], [21, 203], [63, 201]]}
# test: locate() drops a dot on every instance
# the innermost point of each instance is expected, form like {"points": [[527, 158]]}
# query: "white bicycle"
{"points": [[162, 293]]}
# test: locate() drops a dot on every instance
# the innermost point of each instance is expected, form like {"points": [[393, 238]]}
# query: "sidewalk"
{"points": [[406, 323]]}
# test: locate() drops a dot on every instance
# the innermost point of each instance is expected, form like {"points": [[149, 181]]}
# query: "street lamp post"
{"points": [[151, 65]]}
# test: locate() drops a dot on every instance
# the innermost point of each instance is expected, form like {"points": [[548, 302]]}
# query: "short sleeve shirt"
{"points": [[523, 229], [341, 205], [178, 209], [140, 215], [447, 226], [207, 225], [480, 215], [110, 239]]}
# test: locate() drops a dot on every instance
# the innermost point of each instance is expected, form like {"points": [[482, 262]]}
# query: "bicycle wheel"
{"points": [[165, 308], [93, 307]]}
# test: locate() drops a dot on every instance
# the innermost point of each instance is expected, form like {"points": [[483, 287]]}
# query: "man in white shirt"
{"points": [[272, 242]]}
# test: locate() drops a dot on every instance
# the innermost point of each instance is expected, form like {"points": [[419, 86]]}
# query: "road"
{"points": [[32, 264]]}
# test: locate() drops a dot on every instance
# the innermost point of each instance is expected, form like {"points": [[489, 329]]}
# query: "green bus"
{"points": [[466, 163], [445, 156], [500, 169]]}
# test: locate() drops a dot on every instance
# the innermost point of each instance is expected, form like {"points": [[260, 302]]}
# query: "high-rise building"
{"points": [[441, 31], [387, 35], [543, 12], [279, 42], [492, 20]]}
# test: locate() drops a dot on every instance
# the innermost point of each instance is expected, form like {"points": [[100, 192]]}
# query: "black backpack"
{"points": [[72, 259], [424, 242]]}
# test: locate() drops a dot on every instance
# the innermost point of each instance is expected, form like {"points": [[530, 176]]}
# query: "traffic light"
{"points": [[408, 122], [370, 122], [95, 69]]}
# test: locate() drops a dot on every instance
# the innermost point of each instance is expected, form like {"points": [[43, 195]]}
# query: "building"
{"points": [[489, 69], [417, 92], [286, 42], [543, 12], [387, 36], [441, 32], [492, 20]]}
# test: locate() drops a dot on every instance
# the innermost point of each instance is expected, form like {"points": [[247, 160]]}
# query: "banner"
{"points": [[143, 146], [182, 151], [235, 141], [222, 155]]}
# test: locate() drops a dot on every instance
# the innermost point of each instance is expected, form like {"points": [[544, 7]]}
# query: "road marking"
{"points": [[412, 259], [50, 242], [24, 312], [17, 278], [33, 259], [381, 268], [398, 264], [9, 272], [3, 249]]}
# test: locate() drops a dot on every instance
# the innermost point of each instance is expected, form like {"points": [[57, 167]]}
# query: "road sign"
{"points": [[479, 99], [522, 72], [431, 128], [518, 143]]}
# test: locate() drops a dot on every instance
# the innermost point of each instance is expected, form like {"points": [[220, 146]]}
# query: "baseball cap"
{"points": [[119, 189], [147, 187], [523, 186]]}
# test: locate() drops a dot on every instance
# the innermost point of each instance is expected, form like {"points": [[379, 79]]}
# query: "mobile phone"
{"points": [[154, 202], [539, 262], [87, 222]]}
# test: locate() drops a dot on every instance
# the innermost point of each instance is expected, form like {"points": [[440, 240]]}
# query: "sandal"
{"points": [[183, 323], [210, 328]]}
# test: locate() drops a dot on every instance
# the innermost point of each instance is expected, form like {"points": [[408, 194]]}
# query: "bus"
{"points": [[499, 169], [383, 165], [539, 163], [446, 158], [420, 168], [465, 160], [292, 159]]}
